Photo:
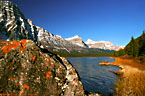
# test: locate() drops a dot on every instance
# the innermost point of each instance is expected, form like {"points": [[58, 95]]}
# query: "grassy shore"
{"points": [[132, 82]]}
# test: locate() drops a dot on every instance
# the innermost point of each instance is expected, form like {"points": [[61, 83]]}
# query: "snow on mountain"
{"points": [[89, 41], [102, 45], [75, 37], [77, 40]]}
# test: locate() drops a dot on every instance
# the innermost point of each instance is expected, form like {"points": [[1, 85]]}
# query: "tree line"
{"points": [[135, 48]]}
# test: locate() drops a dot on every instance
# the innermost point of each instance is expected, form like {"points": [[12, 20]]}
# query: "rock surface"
{"points": [[25, 69]]}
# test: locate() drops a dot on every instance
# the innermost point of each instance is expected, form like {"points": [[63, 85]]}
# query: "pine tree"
{"points": [[135, 48], [129, 48], [142, 45]]}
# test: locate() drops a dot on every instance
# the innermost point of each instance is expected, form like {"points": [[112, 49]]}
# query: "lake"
{"points": [[95, 78]]}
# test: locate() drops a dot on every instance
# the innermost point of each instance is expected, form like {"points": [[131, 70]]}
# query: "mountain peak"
{"points": [[75, 37], [77, 40], [58, 36], [89, 41]]}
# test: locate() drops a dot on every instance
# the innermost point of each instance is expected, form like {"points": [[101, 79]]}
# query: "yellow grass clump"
{"points": [[132, 85]]}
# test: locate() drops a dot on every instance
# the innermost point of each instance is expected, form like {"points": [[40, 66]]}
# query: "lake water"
{"points": [[95, 78]]}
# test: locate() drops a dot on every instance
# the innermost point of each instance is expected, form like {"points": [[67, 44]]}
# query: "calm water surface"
{"points": [[95, 78]]}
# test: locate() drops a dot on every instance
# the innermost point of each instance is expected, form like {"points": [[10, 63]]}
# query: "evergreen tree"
{"points": [[129, 48], [135, 48], [142, 45]]}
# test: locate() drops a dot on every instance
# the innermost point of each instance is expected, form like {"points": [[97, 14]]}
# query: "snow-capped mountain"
{"points": [[102, 45], [77, 40], [14, 26]]}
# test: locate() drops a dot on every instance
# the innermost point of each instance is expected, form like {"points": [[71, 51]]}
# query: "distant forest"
{"points": [[135, 48], [87, 55]]}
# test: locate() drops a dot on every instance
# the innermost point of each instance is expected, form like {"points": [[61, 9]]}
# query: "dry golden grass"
{"points": [[130, 62], [132, 83]]}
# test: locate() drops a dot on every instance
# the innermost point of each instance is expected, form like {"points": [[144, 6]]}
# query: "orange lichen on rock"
{"points": [[47, 63], [14, 78], [13, 45], [25, 86], [75, 81], [73, 70], [25, 77], [48, 75], [17, 84], [33, 58], [74, 87]]}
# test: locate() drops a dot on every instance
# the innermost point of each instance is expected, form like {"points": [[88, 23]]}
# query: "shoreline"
{"points": [[118, 72], [132, 76], [124, 64]]}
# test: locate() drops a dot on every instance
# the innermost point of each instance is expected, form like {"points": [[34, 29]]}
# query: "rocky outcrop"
{"points": [[25, 69], [77, 40], [13, 24]]}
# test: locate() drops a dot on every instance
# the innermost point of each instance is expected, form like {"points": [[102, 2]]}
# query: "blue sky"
{"points": [[109, 20]]}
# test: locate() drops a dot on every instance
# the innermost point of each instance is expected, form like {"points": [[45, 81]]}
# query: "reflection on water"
{"points": [[95, 78]]}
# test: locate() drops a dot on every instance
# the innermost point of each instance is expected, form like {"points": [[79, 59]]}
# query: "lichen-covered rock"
{"points": [[25, 69]]}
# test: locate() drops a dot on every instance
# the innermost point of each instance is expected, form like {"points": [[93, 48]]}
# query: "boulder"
{"points": [[25, 69]]}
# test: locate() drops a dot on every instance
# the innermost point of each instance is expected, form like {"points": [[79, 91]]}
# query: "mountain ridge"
{"points": [[14, 26], [103, 45], [106, 45]]}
